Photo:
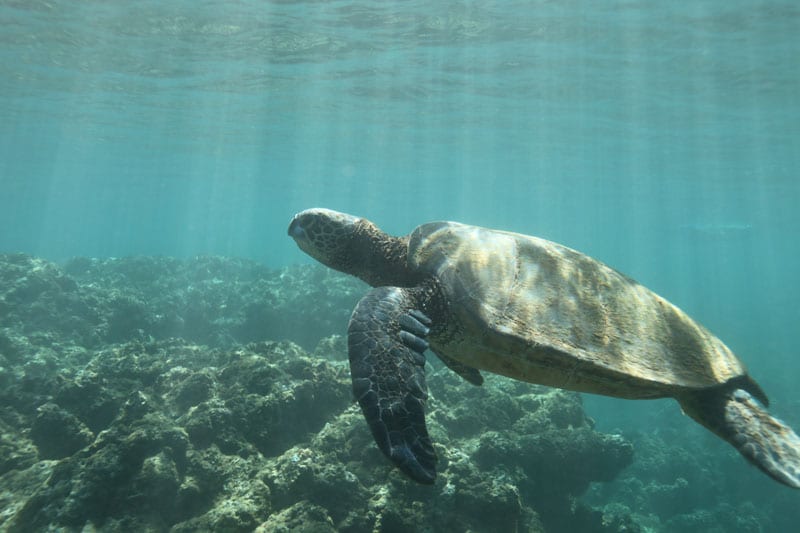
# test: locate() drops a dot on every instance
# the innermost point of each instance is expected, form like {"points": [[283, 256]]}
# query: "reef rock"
{"points": [[149, 394]]}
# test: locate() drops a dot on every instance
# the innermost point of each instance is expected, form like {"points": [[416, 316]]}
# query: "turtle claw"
{"points": [[421, 317], [417, 344], [387, 367], [413, 331], [406, 461]]}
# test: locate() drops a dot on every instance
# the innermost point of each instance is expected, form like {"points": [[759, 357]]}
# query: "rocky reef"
{"points": [[212, 394], [685, 479]]}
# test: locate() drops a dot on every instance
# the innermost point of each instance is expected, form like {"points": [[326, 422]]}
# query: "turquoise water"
{"points": [[660, 137]]}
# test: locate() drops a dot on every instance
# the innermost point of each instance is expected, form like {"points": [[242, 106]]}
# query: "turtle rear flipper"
{"points": [[386, 342], [762, 439], [470, 374]]}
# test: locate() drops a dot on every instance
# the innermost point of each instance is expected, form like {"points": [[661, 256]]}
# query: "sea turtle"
{"points": [[532, 310]]}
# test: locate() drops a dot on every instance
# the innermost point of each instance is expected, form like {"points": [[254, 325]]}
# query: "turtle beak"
{"points": [[296, 230], [299, 229]]}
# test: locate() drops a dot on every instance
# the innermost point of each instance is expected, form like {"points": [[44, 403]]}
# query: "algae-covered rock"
{"points": [[682, 481], [225, 446], [209, 300], [175, 402], [301, 517], [58, 433], [99, 482], [16, 451], [223, 494], [216, 301]]}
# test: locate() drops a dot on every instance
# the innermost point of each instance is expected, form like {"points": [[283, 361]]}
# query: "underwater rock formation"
{"points": [[204, 439], [151, 394], [683, 480], [213, 301]]}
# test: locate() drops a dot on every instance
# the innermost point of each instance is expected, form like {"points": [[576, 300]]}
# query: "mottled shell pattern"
{"points": [[537, 311]]}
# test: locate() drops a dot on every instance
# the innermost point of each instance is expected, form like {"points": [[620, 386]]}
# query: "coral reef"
{"points": [[685, 480], [212, 301], [151, 394]]}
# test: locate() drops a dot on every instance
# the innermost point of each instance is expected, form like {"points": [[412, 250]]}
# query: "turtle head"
{"points": [[352, 245], [326, 235]]}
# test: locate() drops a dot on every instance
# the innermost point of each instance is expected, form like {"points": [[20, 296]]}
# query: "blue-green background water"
{"points": [[660, 137]]}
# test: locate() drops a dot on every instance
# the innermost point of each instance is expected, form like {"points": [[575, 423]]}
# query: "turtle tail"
{"points": [[732, 412]]}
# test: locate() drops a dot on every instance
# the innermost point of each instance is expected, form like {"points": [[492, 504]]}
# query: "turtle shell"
{"points": [[538, 311]]}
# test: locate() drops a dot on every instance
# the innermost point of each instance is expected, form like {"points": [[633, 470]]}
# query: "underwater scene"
{"points": [[395, 266]]}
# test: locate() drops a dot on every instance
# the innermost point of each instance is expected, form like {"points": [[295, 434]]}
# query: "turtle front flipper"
{"points": [[386, 343]]}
